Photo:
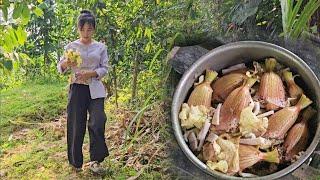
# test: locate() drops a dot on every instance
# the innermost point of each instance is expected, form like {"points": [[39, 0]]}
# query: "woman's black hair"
{"points": [[86, 17]]}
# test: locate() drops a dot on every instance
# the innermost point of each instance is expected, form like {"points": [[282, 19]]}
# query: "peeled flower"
{"points": [[216, 115], [257, 68], [203, 133], [250, 155], [271, 89], [256, 108], [247, 175], [210, 151], [263, 143], [212, 137], [233, 105], [294, 90], [201, 79], [250, 123], [281, 121], [265, 114], [202, 93], [235, 68], [229, 152], [298, 135], [194, 116], [186, 135], [184, 113], [193, 142], [223, 86], [221, 166]]}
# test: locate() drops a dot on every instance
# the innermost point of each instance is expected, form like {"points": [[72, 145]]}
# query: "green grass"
{"points": [[32, 100], [33, 146], [31, 103]]}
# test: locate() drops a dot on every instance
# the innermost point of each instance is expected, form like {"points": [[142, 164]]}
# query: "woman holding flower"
{"points": [[86, 94]]}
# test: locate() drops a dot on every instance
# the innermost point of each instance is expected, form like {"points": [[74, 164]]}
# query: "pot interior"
{"points": [[245, 52]]}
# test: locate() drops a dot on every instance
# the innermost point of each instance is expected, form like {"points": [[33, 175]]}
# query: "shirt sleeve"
{"points": [[62, 59], [103, 65]]}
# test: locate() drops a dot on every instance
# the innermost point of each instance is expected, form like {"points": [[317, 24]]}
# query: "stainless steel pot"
{"points": [[235, 53]]}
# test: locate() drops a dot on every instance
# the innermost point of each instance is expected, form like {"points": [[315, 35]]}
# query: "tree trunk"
{"points": [[114, 68], [135, 77], [115, 80], [45, 47]]}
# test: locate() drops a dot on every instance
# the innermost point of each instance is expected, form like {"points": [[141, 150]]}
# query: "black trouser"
{"points": [[79, 103]]}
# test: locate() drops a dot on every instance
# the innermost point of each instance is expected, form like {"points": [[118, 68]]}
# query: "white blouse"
{"points": [[94, 58]]}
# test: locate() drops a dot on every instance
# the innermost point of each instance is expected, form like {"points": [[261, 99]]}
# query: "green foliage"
{"points": [[138, 35], [38, 11], [13, 35], [285, 17], [295, 17], [241, 11], [20, 17]]}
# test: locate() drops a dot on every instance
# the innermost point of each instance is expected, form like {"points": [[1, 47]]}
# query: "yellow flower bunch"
{"points": [[73, 56]]}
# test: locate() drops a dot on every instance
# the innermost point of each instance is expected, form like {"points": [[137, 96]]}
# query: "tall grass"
{"points": [[295, 17]]}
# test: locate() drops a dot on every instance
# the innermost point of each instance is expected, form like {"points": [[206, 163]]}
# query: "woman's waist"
{"points": [[83, 68], [89, 82]]}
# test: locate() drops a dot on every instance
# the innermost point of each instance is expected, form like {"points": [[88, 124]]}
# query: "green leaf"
{"points": [[7, 64], [306, 14], [15, 56], [24, 58], [293, 16], [17, 11], [12, 35], [38, 12], [40, 1], [245, 10], [139, 32], [6, 3], [148, 33], [293, 25], [15, 63], [43, 6], [8, 46], [192, 13], [314, 29], [25, 13], [148, 47], [10, 40], [285, 15], [21, 35], [154, 59]]}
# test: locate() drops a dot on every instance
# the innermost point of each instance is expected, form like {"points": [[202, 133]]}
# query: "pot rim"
{"points": [[175, 108]]}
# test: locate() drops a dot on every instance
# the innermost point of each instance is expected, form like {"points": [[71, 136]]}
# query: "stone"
{"points": [[181, 58]]}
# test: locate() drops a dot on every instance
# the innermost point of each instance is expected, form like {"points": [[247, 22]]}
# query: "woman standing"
{"points": [[86, 94]]}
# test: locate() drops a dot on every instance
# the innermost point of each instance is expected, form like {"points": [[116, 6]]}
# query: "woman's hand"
{"points": [[71, 63], [85, 75], [68, 63]]}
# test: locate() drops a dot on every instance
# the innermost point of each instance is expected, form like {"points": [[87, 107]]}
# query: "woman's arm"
{"points": [[103, 68], [62, 65]]}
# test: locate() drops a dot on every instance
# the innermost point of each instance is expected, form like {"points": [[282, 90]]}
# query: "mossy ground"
{"points": [[33, 140]]}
